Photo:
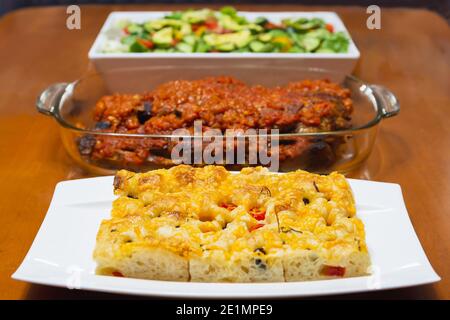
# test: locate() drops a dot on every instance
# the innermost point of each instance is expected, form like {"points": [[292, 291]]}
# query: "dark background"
{"points": [[440, 6]]}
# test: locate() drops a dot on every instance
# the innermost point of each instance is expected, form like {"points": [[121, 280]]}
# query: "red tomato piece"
{"points": [[211, 24], [117, 274], [228, 206], [270, 25], [258, 214], [256, 226], [329, 27], [333, 271], [146, 43]]}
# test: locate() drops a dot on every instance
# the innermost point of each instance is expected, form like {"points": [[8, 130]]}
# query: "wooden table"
{"points": [[410, 55]]}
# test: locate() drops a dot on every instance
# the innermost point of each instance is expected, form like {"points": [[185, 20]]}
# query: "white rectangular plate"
{"points": [[61, 254]]}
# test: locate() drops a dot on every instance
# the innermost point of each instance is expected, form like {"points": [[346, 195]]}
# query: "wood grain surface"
{"points": [[410, 55]]}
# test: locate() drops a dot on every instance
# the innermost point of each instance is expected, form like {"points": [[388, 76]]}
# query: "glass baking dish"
{"points": [[72, 105]]}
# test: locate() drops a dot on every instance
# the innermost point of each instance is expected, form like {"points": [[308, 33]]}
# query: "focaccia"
{"points": [[210, 225]]}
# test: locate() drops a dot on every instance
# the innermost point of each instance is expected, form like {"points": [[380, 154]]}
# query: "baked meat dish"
{"points": [[218, 103], [210, 225]]}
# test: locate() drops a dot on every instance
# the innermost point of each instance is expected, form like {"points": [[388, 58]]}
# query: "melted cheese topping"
{"points": [[191, 211]]}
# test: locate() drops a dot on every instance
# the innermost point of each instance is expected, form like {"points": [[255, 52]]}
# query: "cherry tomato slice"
{"points": [[329, 27], [211, 24]]}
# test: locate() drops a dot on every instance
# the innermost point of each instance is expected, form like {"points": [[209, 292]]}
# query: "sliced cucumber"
{"points": [[163, 37], [185, 29], [243, 38], [310, 44], [134, 28], [202, 47], [265, 37], [137, 47], [190, 39], [261, 21], [128, 40], [258, 46], [277, 33], [228, 10], [226, 47], [184, 47], [296, 49], [239, 39], [196, 16]]}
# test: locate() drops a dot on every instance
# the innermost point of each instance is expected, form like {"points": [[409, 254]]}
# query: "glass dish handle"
{"points": [[388, 101], [50, 97]]}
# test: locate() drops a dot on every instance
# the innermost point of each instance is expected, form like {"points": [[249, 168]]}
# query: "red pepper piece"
{"points": [[146, 43], [228, 206], [256, 226], [258, 214], [211, 24], [329, 27], [117, 274], [333, 271]]}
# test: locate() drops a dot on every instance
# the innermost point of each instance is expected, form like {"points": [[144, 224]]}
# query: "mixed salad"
{"points": [[225, 30]]}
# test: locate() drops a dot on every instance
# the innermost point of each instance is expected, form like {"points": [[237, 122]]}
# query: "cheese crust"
{"points": [[210, 225]]}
